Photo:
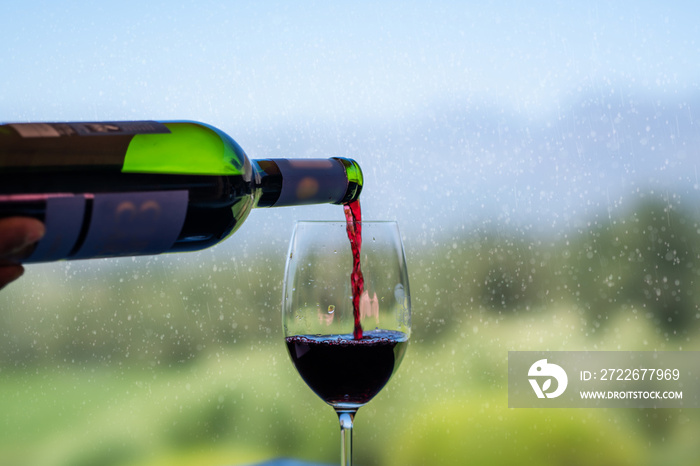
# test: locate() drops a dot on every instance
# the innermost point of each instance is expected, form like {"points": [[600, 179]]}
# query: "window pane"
{"points": [[542, 163]]}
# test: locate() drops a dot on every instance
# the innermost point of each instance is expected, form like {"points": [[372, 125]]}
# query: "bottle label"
{"points": [[311, 181], [63, 219], [118, 224], [99, 128]]}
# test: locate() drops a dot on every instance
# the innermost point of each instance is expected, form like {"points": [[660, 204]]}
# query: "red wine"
{"points": [[344, 371], [353, 217]]}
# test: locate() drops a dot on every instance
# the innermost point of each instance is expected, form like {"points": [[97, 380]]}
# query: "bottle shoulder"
{"points": [[190, 147]]}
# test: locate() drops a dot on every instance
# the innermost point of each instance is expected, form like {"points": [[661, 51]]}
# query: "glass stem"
{"points": [[346, 418]]}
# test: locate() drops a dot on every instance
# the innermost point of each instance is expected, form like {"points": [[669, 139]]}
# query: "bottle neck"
{"points": [[289, 182]]}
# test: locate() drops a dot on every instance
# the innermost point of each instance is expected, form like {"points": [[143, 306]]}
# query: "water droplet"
{"points": [[399, 293]]}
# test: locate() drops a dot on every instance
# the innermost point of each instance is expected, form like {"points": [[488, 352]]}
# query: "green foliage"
{"points": [[645, 262]]}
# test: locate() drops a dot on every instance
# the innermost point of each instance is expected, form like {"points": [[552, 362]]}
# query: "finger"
{"points": [[9, 274], [17, 233]]}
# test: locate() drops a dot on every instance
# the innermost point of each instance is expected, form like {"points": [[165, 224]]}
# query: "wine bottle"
{"points": [[107, 189]]}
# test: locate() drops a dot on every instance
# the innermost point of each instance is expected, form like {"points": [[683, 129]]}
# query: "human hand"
{"points": [[17, 236]]}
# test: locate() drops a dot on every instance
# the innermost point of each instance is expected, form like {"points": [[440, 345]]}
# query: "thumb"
{"points": [[17, 233]]}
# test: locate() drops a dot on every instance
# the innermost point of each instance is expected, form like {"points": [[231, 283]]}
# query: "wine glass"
{"points": [[344, 360]]}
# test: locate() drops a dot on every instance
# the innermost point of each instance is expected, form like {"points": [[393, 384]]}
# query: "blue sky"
{"points": [[365, 59]]}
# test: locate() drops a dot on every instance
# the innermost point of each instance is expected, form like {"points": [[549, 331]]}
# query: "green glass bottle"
{"points": [[107, 189]]}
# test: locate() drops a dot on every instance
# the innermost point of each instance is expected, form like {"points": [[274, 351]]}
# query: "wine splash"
{"points": [[353, 217]]}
